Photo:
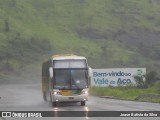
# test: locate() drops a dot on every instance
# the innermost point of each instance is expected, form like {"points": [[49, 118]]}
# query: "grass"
{"points": [[96, 29], [126, 93]]}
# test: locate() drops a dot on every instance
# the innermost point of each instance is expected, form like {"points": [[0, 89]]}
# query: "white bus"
{"points": [[66, 78]]}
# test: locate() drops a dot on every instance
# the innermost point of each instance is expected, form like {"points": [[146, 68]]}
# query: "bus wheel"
{"points": [[83, 103], [44, 96], [54, 104]]}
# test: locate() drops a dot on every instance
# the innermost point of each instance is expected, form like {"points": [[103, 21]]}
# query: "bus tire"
{"points": [[83, 103], [54, 104]]}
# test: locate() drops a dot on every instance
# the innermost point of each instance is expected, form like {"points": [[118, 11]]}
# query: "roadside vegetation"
{"points": [[148, 90], [109, 33]]}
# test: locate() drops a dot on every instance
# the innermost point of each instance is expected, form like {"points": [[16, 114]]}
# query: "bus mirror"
{"points": [[90, 72], [51, 72]]}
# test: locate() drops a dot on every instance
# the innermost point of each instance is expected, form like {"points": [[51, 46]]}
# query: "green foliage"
{"points": [[20, 51], [6, 28], [155, 53], [127, 93], [141, 83], [157, 84], [146, 81], [151, 78], [109, 33]]}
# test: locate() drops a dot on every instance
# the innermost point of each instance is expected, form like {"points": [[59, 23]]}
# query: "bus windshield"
{"points": [[70, 78]]}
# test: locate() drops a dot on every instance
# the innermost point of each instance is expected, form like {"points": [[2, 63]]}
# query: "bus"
{"points": [[66, 78]]}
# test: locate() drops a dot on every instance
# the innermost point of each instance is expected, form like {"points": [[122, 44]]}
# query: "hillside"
{"points": [[110, 33]]}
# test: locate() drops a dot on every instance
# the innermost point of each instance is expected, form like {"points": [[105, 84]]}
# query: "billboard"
{"points": [[116, 76]]}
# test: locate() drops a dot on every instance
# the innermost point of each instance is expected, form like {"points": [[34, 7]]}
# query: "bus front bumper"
{"points": [[76, 98]]}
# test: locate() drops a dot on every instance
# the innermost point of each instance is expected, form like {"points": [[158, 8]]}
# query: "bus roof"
{"points": [[67, 57]]}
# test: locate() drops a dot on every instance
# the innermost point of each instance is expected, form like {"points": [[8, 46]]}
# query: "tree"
{"points": [[150, 79], [6, 26], [141, 83]]}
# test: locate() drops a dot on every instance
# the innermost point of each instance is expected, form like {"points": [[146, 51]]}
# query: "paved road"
{"points": [[29, 98]]}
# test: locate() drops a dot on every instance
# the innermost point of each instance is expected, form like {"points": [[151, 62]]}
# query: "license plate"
{"points": [[71, 98], [65, 92]]}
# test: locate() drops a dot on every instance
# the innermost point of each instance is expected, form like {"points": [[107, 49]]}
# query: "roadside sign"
{"points": [[116, 76]]}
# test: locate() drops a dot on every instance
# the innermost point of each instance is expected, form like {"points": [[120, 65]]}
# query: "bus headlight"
{"points": [[56, 93], [85, 92]]}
